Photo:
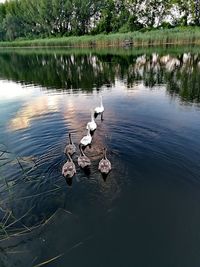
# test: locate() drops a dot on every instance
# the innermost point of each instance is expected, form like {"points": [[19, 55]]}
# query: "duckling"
{"points": [[104, 164], [69, 169], [70, 148], [83, 160]]}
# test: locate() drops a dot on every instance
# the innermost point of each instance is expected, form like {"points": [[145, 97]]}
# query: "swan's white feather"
{"points": [[86, 140], [91, 126]]}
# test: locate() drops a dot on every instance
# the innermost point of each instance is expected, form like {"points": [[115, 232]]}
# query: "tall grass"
{"points": [[176, 36], [10, 225]]}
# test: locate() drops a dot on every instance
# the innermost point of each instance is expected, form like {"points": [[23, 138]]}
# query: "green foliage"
{"points": [[131, 25], [29, 19]]}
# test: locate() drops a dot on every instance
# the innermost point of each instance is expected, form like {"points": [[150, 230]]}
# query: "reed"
{"points": [[10, 225], [176, 36]]}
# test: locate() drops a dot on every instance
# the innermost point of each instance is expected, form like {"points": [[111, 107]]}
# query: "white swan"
{"points": [[104, 164], [70, 148], [83, 160], [92, 124], [87, 139], [69, 169], [100, 109]]}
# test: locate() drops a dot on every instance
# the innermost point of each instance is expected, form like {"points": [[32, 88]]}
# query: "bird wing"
{"points": [[84, 139], [97, 109], [84, 161], [88, 125], [104, 164]]}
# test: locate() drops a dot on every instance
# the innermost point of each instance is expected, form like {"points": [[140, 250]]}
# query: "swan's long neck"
{"points": [[104, 155], [70, 140], [92, 115], [81, 150], [69, 157], [101, 102], [88, 133]]}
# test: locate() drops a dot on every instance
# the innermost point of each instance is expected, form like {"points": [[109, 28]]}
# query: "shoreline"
{"points": [[105, 46], [168, 37]]}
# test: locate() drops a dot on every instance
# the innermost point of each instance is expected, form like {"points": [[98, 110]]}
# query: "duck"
{"points": [[104, 164], [92, 124], [69, 169], [83, 160], [100, 109], [70, 148], [87, 139]]}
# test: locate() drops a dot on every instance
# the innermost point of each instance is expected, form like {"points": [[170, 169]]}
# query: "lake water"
{"points": [[146, 213]]}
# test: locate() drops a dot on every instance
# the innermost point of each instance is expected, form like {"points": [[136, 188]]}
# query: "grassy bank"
{"points": [[176, 36]]}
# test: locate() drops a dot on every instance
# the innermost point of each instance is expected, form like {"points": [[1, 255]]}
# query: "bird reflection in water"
{"points": [[104, 176], [68, 181], [92, 133], [87, 171], [96, 115]]}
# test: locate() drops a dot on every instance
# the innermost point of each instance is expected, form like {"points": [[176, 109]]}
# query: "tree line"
{"points": [[29, 19]]}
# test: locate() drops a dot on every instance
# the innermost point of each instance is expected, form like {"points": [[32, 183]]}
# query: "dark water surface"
{"points": [[147, 212]]}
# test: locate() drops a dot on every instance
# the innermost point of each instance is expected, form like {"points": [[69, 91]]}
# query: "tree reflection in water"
{"points": [[92, 70]]}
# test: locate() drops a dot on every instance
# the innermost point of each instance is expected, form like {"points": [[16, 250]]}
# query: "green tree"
{"points": [[186, 9], [2, 17], [108, 18]]}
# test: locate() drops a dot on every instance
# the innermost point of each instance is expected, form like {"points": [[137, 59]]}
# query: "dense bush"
{"points": [[30, 19]]}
